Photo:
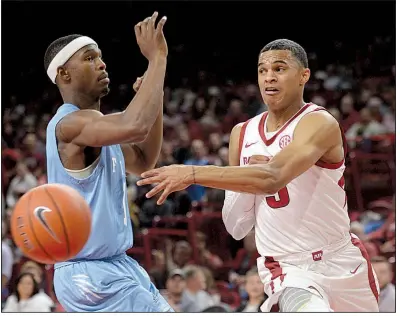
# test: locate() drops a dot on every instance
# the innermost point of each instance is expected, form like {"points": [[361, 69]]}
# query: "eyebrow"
{"points": [[275, 62], [90, 49]]}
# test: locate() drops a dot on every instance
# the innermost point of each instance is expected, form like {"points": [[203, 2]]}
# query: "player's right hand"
{"points": [[150, 38], [258, 159]]}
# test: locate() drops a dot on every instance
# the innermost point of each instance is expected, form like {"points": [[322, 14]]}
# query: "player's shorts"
{"points": [[116, 284], [341, 274]]}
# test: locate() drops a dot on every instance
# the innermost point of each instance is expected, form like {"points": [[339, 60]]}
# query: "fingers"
{"points": [[160, 24], [150, 180], [150, 173], [138, 32], [155, 190], [144, 26], [164, 196], [137, 84], [153, 20]]}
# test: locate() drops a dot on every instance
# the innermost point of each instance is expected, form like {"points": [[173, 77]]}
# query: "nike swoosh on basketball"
{"points": [[249, 144], [353, 272], [39, 213]]}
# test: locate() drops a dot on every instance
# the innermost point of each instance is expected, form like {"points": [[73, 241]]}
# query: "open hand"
{"points": [[151, 39], [170, 179]]}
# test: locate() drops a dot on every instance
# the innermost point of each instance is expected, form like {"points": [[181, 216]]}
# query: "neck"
{"points": [[82, 101], [191, 290], [276, 118], [175, 297], [255, 300]]}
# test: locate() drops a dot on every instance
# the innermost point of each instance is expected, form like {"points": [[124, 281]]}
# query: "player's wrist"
{"points": [[190, 177], [158, 59]]}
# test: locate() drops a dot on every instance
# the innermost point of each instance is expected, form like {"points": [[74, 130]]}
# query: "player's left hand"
{"points": [[170, 179], [138, 83], [258, 159]]}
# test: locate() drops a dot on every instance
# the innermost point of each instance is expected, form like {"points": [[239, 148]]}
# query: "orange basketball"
{"points": [[51, 223]]}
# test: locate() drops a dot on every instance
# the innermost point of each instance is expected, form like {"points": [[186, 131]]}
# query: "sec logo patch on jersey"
{"points": [[284, 141]]}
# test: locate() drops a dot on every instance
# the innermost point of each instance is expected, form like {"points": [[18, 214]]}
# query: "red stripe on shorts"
{"points": [[275, 269], [356, 242]]}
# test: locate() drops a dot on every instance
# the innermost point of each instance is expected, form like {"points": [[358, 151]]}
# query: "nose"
{"points": [[102, 65], [270, 76]]}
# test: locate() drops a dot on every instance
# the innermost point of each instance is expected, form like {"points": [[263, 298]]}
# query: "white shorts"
{"points": [[341, 274]]}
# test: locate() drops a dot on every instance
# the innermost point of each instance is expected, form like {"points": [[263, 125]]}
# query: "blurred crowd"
{"points": [[198, 118]]}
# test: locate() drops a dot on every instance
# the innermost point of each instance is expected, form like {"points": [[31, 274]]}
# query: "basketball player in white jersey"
{"points": [[286, 180]]}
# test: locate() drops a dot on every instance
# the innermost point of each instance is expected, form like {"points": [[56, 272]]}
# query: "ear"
{"points": [[63, 74], [305, 76]]}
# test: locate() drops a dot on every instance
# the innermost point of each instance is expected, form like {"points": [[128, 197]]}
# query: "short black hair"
{"points": [[56, 46], [285, 44]]}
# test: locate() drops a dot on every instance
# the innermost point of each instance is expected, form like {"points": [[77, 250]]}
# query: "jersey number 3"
{"points": [[280, 199]]}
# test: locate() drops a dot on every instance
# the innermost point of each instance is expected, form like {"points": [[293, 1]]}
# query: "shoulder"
{"points": [[320, 121], [71, 124], [43, 298], [12, 299], [82, 115]]}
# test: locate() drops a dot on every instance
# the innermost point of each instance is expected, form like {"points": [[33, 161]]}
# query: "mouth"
{"points": [[271, 91], [104, 78]]}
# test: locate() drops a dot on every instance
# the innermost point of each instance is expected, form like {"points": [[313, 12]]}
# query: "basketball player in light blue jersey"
{"points": [[91, 152]]}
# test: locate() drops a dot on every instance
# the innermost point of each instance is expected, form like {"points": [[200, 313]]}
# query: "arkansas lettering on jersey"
{"points": [[311, 211]]}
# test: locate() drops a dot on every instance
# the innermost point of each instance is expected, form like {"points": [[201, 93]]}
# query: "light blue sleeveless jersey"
{"points": [[104, 190]]}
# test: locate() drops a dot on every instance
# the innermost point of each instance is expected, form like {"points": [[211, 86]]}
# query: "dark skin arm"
{"points": [[316, 137], [143, 156], [90, 128]]}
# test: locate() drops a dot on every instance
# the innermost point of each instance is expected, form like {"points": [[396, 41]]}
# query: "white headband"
{"points": [[65, 53]]}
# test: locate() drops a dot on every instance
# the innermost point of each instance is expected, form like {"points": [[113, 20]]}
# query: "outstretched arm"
{"points": [[316, 134]]}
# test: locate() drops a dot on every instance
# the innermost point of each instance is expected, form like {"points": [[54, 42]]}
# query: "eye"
{"points": [[261, 70], [89, 58], [280, 69]]}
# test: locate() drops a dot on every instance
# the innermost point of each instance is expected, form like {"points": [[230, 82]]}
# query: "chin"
{"points": [[104, 92]]}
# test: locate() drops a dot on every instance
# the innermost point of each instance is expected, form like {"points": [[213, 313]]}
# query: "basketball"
{"points": [[51, 223]]}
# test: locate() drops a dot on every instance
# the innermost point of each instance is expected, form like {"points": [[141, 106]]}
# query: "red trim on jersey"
{"points": [[261, 126], [356, 242], [241, 138], [336, 165]]}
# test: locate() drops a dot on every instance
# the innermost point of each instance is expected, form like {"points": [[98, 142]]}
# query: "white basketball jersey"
{"points": [[311, 211]]}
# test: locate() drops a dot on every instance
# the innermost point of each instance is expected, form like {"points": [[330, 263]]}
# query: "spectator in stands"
{"points": [[335, 113], [175, 286], [26, 298], [150, 209], [255, 292], [366, 128], [248, 259], [33, 151], [7, 261], [235, 116], [384, 273], [215, 309], [20, 184], [195, 298], [199, 158], [215, 143], [183, 149], [166, 156], [34, 269], [349, 114], [223, 154], [179, 256], [206, 258]]}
